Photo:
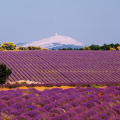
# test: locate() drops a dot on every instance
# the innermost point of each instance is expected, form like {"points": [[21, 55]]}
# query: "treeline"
{"points": [[96, 47], [11, 46]]}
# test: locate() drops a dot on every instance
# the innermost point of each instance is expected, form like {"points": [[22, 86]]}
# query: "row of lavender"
{"points": [[58, 104], [63, 66]]}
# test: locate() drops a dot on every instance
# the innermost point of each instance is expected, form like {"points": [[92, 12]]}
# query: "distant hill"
{"points": [[20, 44], [55, 42]]}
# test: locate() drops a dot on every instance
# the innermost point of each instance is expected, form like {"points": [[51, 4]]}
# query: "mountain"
{"points": [[20, 44], [56, 42]]}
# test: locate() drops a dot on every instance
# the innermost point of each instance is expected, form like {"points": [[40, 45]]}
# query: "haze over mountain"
{"points": [[56, 42]]}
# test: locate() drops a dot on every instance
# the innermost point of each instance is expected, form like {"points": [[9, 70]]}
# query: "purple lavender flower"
{"points": [[10, 102], [30, 101], [103, 116], [16, 112], [118, 117], [56, 97], [117, 109], [30, 107], [96, 118], [57, 111], [39, 117], [44, 116], [96, 101], [60, 117], [89, 113], [80, 109], [86, 105], [22, 117], [93, 95], [72, 97], [3, 105], [51, 99], [5, 98], [62, 101], [66, 107], [37, 93], [1, 117], [48, 107], [41, 110], [56, 89], [17, 105], [32, 113], [53, 104], [23, 110], [78, 117], [7, 110], [41, 102], [111, 103], [18, 99], [118, 88], [113, 112], [105, 98], [116, 93], [47, 101], [26, 97], [71, 113], [74, 104]]}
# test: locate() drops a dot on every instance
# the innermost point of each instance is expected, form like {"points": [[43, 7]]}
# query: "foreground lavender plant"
{"points": [[67, 104]]}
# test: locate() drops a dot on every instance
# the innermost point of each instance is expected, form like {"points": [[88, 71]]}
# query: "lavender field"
{"points": [[59, 104], [57, 66]]}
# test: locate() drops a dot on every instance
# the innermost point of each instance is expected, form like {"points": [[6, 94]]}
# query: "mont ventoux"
{"points": [[54, 42]]}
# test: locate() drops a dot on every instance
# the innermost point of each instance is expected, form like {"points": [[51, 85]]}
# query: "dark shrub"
{"points": [[4, 73]]}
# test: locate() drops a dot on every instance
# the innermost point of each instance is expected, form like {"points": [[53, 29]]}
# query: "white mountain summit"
{"points": [[56, 41]]}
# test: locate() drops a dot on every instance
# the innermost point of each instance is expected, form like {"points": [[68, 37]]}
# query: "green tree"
{"points": [[95, 47], [22, 48], [1, 49], [75, 48], [45, 49], [116, 45], [64, 48], [105, 47], [86, 48], [34, 48], [69, 48], [9, 46], [81, 49], [4, 73], [111, 45]]}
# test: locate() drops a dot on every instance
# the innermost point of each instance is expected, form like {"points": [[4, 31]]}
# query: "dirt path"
{"points": [[37, 88], [43, 88]]}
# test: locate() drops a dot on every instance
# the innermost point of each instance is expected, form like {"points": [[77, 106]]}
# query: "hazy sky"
{"points": [[88, 21]]}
